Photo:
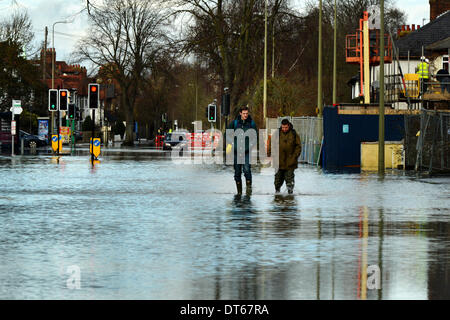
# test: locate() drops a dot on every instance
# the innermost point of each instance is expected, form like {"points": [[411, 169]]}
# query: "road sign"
{"points": [[54, 142], [13, 128], [96, 147], [16, 107]]}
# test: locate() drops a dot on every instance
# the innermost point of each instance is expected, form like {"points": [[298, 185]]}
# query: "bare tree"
{"points": [[228, 36], [126, 39], [18, 29]]}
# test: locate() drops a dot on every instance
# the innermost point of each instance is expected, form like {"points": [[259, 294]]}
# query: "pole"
{"points": [[265, 65], [53, 65], [44, 63], [319, 84], [12, 136], [58, 133], [92, 138], [273, 48], [381, 164], [334, 56], [366, 60]]}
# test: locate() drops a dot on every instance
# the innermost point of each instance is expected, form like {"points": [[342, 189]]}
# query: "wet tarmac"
{"points": [[139, 226]]}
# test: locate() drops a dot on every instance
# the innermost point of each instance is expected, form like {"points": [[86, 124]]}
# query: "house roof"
{"points": [[440, 45], [435, 31]]}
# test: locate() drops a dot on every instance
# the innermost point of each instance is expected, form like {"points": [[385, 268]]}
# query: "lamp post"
{"points": [[334, 56], [53, 63], [265, 65], [319, 76], [381, 129]]}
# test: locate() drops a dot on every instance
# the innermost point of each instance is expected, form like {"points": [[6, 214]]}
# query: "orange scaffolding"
{"points": [[354, 48]]}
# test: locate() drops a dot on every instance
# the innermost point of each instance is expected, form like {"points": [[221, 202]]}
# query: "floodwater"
{"points": [[138, 226]]}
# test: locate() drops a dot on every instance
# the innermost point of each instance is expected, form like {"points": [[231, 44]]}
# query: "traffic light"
{"points": [[225, 109], [53, 100], [63, 99], [72, 111], [212, 113], [93, 95]]}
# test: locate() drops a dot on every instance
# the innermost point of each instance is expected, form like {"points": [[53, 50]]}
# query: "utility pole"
{"points": [[319, 76], [381, 111], [265, 65], [273, 48], [334, 56], [44, 63]]}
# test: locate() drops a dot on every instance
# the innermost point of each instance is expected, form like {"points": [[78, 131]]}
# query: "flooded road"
{"points": [[141, 227]]}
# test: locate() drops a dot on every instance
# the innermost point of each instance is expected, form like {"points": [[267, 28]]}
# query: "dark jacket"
{"points": [[244, 125], [289, 149]]}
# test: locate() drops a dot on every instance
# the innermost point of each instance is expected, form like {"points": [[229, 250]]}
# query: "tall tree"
{"points": [[128, 36], [228, 36], [18, 29], [19, 78]]}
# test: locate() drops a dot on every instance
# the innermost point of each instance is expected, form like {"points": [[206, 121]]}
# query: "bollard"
{"points": [[21, 147], [33, 147]]}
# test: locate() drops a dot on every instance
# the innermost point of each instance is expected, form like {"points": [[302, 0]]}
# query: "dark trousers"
{"points": [[246, 167], [285, 175], [445, 84]]}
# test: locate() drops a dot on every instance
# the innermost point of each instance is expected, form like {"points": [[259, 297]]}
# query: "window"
{"points": [[445, 62]]}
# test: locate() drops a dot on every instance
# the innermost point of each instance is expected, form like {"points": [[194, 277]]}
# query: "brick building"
{"points": [[437, 7]]}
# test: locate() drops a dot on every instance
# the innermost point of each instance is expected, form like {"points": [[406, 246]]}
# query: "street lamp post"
{"points": [[265, 66], [319, 76], [53, 66]]}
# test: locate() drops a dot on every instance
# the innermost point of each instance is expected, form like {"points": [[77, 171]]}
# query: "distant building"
{"points": [[71, 77], [431, 40]]}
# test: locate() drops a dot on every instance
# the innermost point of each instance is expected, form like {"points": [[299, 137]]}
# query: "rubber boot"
{"points": [[239, 187], [248, 185]]}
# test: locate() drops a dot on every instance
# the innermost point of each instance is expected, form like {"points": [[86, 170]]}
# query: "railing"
{"points": [[353, 48], [310, 130]]}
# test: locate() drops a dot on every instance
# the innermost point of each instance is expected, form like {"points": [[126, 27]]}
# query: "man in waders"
{"points": [[243, 148], [290, 148]]}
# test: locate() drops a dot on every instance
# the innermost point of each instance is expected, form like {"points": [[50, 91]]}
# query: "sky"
{"points": [[46, 12]]}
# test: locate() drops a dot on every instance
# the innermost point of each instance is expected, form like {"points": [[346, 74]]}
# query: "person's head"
{"points": [[285, 125], [243, 112], [427, 61], [422, 58]]}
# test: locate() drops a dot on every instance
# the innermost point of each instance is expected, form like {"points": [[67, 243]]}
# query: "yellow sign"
{"points": [[96, 147], [55, 143], [65, 134]]}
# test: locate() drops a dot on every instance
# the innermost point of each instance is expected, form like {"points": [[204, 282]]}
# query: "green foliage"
{"points": [[19, 79], [29, 122]]}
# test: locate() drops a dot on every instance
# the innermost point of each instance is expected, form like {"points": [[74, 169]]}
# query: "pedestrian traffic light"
{"points": [[93, 95], [212, 113], [53, 100], [72, 111], [63, 99]]}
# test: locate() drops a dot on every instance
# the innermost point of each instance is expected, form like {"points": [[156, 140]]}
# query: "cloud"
{"points": [[44, 13]]}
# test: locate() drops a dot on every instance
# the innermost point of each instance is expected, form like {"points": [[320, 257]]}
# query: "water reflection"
{"points": [[149, 229]]}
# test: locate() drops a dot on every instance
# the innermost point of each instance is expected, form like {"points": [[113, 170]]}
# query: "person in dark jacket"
{"points": [[289, 149], [242, 150], [444, 78]]}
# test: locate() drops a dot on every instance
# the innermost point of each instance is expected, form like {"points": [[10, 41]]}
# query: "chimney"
{"points": [[413, 27], [409, 29], [403, 27], [438, 7]]}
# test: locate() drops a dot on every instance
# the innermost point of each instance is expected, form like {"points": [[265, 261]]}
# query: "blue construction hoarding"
{"points": [[343, 134]]}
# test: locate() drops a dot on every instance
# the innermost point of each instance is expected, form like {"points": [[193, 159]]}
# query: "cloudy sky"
{"points": [[47, 12]]}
